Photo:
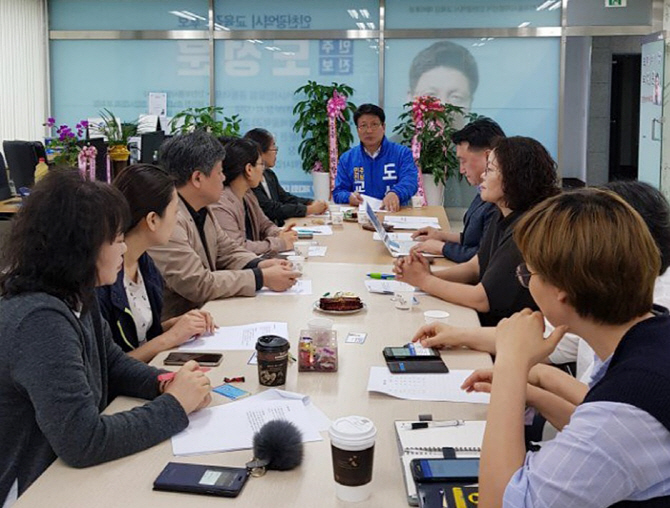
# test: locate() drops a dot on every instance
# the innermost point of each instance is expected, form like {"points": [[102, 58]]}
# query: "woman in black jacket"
{"points": [[277, 204]]}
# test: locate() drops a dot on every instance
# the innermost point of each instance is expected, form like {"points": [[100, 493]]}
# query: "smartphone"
{"points": [[305, 236], [199, 479], [445, 470], [411, 367], [410, 353], [204, 359]]}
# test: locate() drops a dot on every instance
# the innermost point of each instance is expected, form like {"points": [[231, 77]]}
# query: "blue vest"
{"points": [[638, 375]]}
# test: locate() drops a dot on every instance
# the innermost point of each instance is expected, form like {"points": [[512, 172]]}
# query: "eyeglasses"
{"points": [[260, 163], [370, 127], [490, 169], [275, 149], [523, 275]]}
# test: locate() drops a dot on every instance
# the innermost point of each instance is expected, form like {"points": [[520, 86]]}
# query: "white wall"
{"points": [[23, 74], [576, 106]]}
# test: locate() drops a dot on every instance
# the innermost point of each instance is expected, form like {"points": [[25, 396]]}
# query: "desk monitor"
{"points": [[151, 142]]}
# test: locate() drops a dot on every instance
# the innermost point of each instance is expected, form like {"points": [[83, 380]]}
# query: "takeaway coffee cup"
{"points": [[352, 442], [337, 218], [272, 354], [417, 201]]}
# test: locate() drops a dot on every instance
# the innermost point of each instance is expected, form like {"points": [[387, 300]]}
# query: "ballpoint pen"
{"points": [[381, 276], [168, 376], [430, 425], [303, 230]]}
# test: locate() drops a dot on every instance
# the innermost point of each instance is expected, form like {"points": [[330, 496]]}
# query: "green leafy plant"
{"points": [[205, 119], [312, 124], [116, 132], [429, 124]]}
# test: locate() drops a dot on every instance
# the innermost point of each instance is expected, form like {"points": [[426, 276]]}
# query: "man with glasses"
{"points": [[377, 167]]}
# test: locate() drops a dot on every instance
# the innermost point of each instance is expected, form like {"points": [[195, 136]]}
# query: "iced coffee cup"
{"points": [[352, 442]]}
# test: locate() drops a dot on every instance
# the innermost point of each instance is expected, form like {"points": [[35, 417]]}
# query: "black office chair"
{"points": [[22, 157], [5, 191]]}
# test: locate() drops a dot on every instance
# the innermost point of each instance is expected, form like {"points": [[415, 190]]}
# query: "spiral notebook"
{"points": [[465, 439]]}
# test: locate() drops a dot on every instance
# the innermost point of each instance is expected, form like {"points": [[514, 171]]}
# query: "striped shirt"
{"points": [[609, 452]]}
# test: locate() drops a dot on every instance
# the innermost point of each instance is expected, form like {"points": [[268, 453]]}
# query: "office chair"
{"points": [[22, 157], [5, 192]]}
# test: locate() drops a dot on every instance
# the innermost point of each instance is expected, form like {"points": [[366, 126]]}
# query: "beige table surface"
{"points": [[127, 482]]}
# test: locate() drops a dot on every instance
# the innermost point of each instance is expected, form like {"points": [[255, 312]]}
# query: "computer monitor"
{"points": [[150, 143], [5, 191]]}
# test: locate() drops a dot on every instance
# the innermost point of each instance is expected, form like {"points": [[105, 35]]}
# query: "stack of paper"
{"points": [[387, 287], [301, 287], [315, 251], [396, 237], [232, 426], [315, 230], [241, 337]]}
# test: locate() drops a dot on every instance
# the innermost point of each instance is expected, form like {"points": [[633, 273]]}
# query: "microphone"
{"points": [[278, 445]]}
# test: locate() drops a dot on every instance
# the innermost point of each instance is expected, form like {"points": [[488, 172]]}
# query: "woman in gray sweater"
{"points": [[59, 367]]}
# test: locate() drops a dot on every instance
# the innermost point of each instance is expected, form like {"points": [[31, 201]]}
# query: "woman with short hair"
{"points": [[519, 174], [590, 264], [133, 304], [58, 363]]}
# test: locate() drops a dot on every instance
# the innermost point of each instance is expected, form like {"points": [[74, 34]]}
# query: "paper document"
{"points": [[396, 237], [317, 417], [301, 287], [228, 338], [409, 222], [231, 427], [388, 287], [315, 230], [315, 251], [435, 387], [375, 204]]}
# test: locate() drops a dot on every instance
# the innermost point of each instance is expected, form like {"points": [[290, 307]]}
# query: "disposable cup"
{"points": [[352, 442], [439, 316]]}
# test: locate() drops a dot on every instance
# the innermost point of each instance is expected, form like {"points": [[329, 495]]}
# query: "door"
{"points": [[651, 111]]}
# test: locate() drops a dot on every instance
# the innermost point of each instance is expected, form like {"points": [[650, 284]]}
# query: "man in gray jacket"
{"points": [[200, 262]]}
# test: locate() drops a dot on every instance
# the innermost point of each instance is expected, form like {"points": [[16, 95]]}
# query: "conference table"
{"points": [[352, 253], [9, 207]]}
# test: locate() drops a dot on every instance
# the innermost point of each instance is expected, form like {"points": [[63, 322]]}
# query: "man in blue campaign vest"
{"points": [[377, 167]]}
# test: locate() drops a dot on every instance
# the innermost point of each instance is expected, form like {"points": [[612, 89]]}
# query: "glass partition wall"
{"points": [[505, 59]]}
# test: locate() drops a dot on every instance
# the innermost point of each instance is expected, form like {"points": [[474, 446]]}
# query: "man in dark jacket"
{"points": [[473, 144]]}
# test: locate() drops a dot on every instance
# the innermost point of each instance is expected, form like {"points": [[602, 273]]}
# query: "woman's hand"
{"points": [[413, 269], [479, 381], [521, 337], [429, 247], [191, 387], [437, 335], [194, 322]]}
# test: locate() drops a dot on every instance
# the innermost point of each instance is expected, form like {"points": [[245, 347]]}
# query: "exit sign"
{"points": [[615, 3]]}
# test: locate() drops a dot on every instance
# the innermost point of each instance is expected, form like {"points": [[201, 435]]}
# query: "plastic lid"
{"points": [[320, 324], [41, 159], [272, 344], [353, 431], [436, 314]]}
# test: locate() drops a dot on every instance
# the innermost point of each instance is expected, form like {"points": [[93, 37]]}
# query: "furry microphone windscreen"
{"points": [[279, 442]]}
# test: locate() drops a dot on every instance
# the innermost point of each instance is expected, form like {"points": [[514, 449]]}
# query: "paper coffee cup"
{"points": [[352, 442], [272, 354], [417, 201], [432, 316], [337, 218], [298, 262], [403, 299], [302, 249]]}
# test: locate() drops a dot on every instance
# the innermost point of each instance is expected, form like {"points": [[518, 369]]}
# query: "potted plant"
{"points": [[312, 126], [64, 144], [205, 119], [426, 127], [117, 135]]}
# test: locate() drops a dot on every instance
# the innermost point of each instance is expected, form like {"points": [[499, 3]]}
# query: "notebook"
{"points": [[466, 439]]}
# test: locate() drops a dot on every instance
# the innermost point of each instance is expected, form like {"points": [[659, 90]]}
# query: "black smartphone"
{"points": [[411, 367], [445, 470], [199, 479], [410, 353], [305, 236], [204, 359]]}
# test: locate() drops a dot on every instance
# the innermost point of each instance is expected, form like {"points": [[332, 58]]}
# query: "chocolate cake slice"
{"points": [[341, 302]]}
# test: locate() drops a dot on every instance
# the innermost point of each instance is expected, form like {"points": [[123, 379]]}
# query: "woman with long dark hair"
{"points": [[133, 304], [58, 362]]}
